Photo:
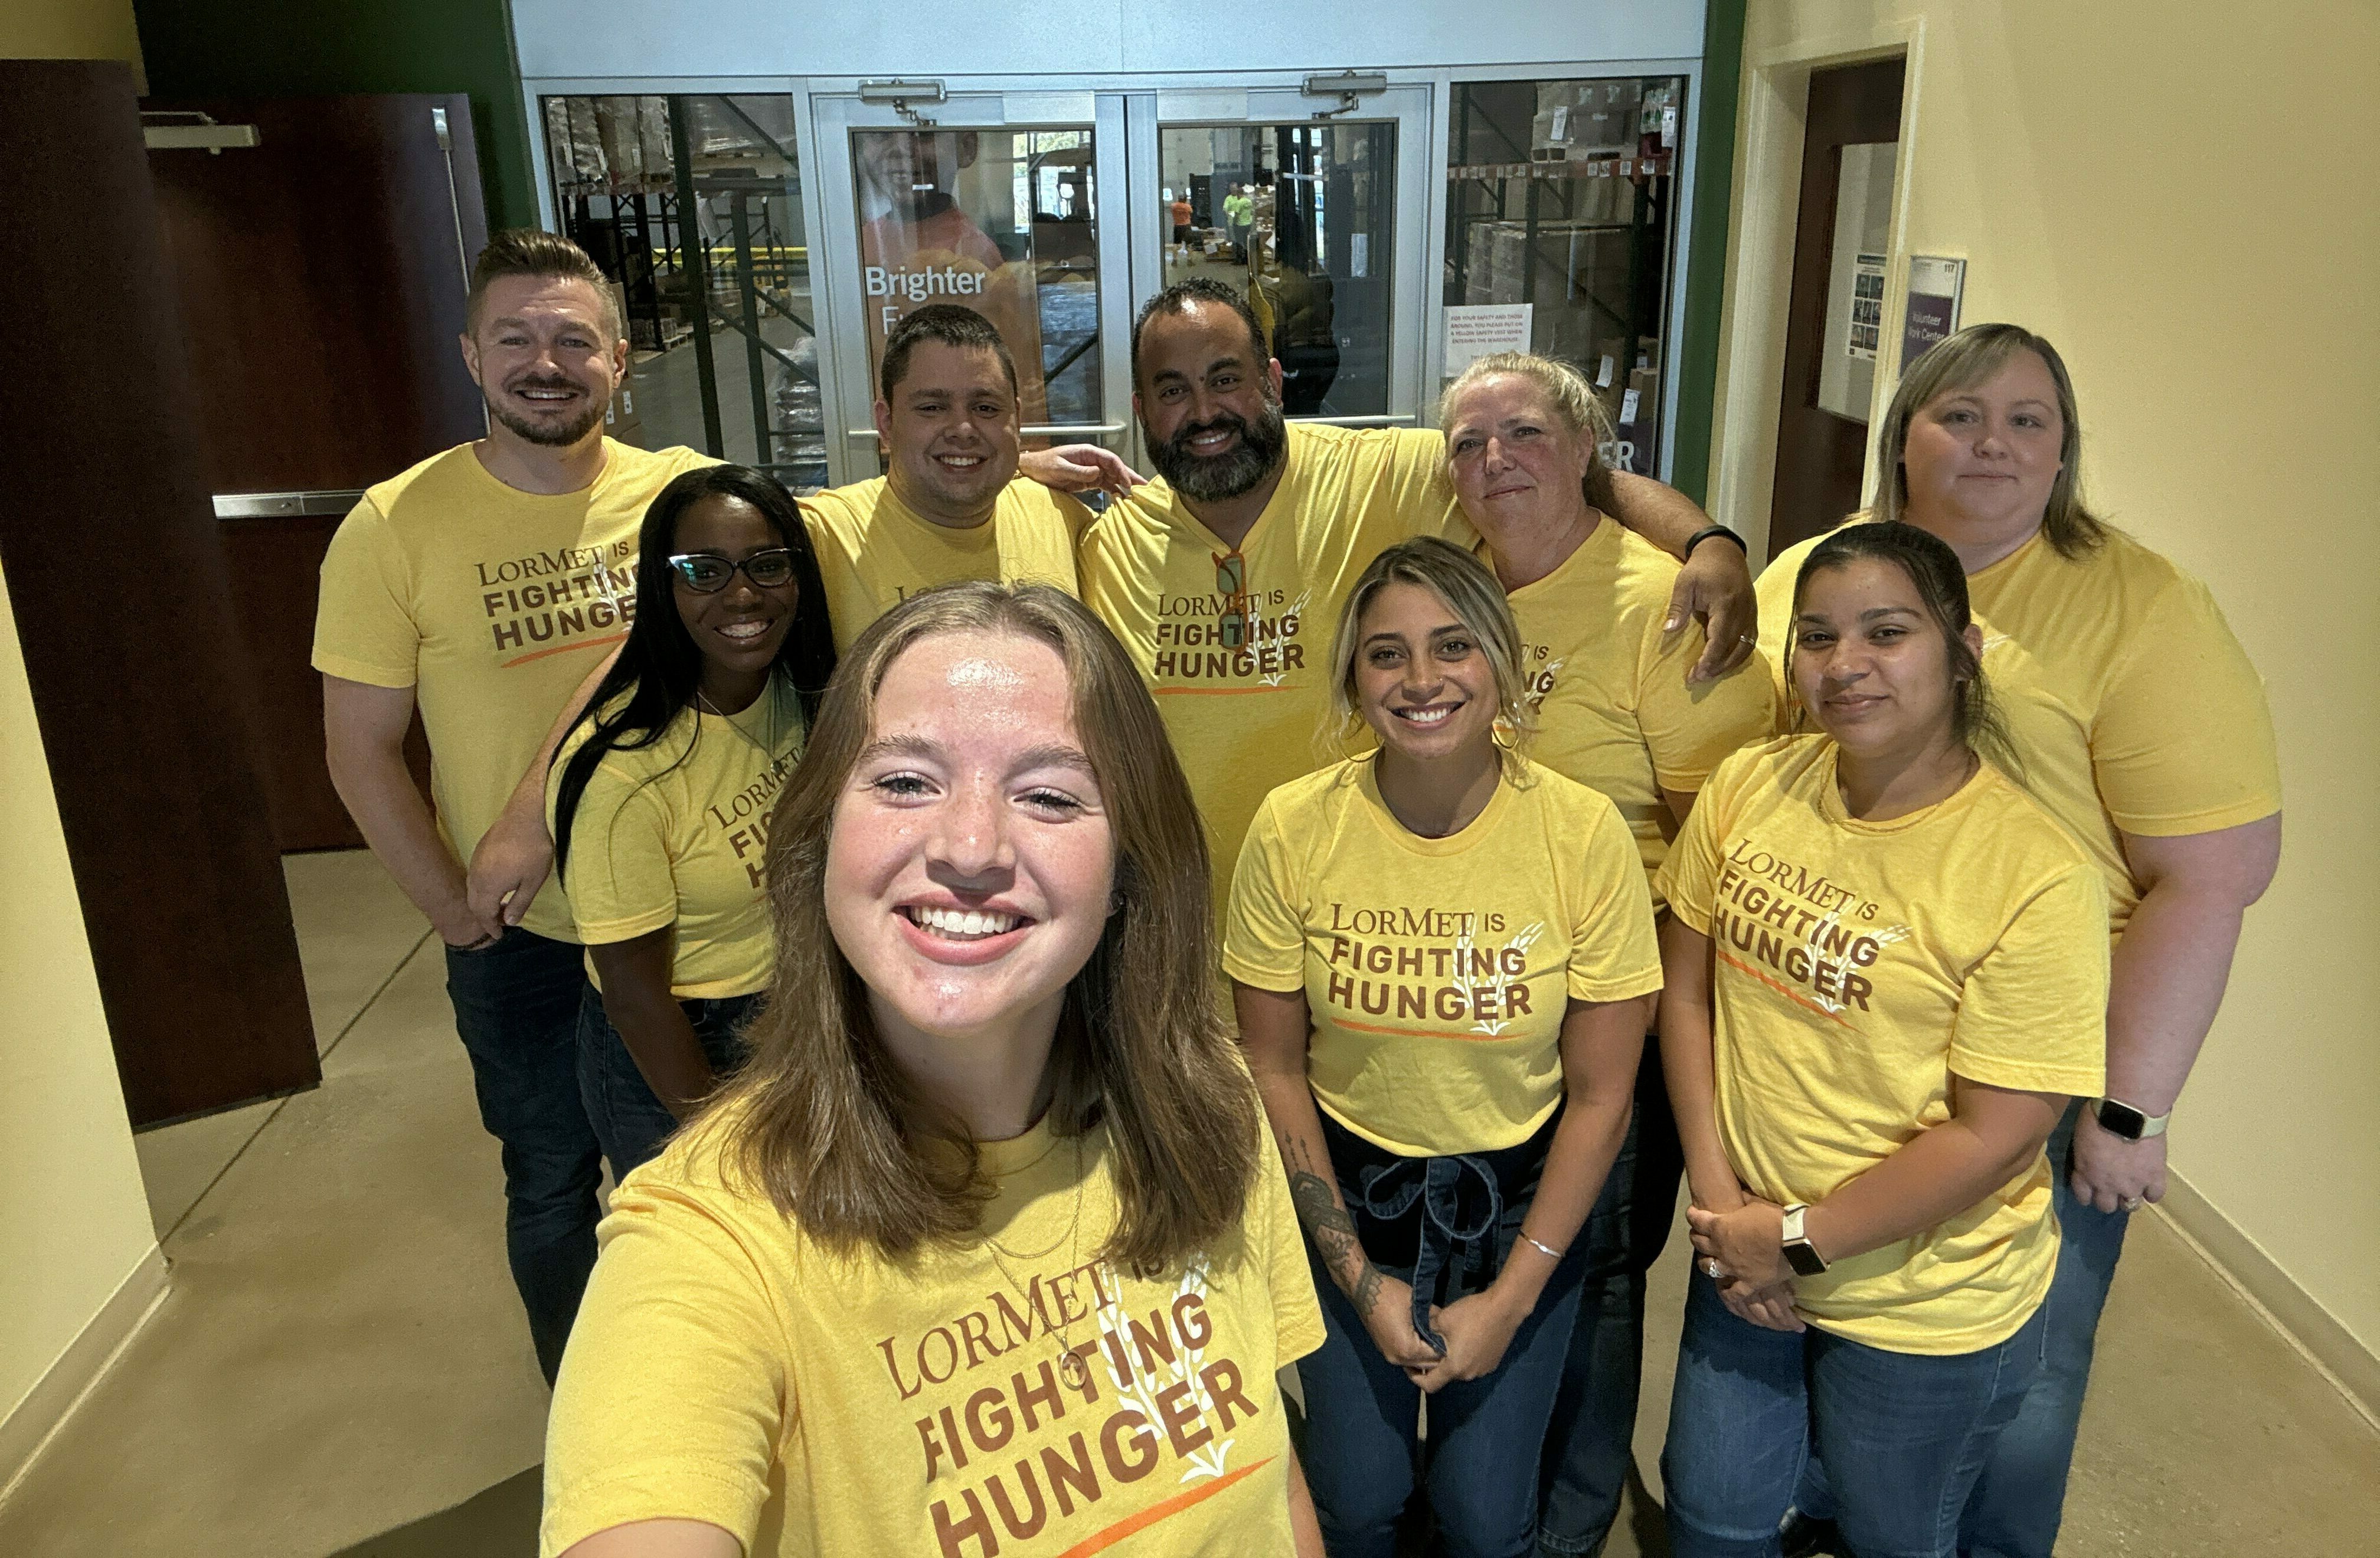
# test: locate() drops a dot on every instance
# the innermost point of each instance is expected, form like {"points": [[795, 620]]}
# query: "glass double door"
{"points": [[1056, 214]]}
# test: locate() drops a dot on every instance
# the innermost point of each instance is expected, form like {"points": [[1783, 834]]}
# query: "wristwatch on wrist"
{"points": [[1800, 1254], [2119, 1118], [1705, 533]]}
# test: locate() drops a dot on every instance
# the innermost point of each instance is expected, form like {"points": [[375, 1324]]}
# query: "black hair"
{"points": [[1182, 296], [659, 668], [953, 324], [1941, 584]]}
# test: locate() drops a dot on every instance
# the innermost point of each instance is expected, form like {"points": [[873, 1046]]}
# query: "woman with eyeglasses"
{"points": [[661, 797]]}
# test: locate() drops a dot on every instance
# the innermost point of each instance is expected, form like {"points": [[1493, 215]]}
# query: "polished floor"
{"points": [[341, 1368]]}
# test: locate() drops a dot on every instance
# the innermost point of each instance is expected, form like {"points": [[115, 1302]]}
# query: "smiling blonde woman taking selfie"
{"points": [[984, 1249]]}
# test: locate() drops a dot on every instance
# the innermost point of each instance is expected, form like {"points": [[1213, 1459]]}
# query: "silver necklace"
{"points": [[1077, 1372]]}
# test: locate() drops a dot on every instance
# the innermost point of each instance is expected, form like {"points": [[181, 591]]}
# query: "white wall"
{"points": [[1052, 38]]}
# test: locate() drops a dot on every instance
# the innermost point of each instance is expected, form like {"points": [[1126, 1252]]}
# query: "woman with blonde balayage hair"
{"points": [[2138, 722], [983, 1246], [1607, 692], [1440, 954]]}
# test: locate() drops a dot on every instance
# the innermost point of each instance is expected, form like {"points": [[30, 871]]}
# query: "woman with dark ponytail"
{"points": [[660, 799], [1885, 981]]}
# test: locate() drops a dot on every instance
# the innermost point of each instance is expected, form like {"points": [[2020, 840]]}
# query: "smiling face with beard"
{"points": [[1208, 405], [545, 355]]}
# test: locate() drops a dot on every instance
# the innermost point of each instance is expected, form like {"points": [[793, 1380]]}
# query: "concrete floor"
{"points": [[342, 1369]]}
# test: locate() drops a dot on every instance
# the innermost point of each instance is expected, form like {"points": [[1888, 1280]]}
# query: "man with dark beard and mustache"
{"points": [[480, 586], [1225, 578]]}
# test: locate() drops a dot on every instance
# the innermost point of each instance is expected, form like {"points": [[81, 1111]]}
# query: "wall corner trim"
{"points": [[2343, 1358], [28, 1429]]}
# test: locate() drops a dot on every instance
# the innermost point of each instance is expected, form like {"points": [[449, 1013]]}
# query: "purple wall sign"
{"points": [[1932, 312]]}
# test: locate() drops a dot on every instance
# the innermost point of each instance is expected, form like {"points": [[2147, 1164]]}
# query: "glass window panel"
{"points": [[1300, 218], [1561, 195], [692, 205], [1002, 222]]}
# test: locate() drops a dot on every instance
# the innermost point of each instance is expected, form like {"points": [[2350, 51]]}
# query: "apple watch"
{"points": [[2119, 1118], [1800, 1254]]}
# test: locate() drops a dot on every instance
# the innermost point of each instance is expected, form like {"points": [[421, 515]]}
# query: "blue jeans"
{"points": [[1904, 1435], [631, 1123], [517, 1009], [2016, 1506], [1363, 1454], [1590, 1441]]}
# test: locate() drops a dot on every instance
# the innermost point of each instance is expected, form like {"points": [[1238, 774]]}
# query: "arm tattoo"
{"points": [[1334, 1236]]}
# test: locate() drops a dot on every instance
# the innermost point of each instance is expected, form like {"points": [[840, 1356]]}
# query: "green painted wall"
{"points": [[1706, 254], [290, 48]]}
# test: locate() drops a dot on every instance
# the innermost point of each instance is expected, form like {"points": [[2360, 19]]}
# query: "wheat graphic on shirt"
{"points": [[1136, 1389], [1294, 609], [1501, 977], [1816, 943]]}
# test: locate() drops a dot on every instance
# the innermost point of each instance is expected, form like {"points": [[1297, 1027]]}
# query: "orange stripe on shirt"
{"points": [[1103, 1540], [564, 649], [1793, 996], [1414, 1033]]}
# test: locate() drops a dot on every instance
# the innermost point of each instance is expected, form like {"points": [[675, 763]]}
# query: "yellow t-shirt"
{"points": [[1436, 971], [676, 834], [1614, 711], [1857, 966], [493, 604], [1236, 645], [727, 1368], [2132, 706], [875, 551]]}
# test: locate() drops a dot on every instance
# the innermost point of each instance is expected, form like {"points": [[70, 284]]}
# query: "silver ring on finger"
{"points": [[1711, 1270], [2132, 1203]]}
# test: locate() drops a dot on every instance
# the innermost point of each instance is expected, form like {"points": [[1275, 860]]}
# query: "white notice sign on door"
{"points": [[1475, 331]]}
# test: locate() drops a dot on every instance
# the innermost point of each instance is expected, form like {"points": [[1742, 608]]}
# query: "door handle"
{"points": [[280, 505]]}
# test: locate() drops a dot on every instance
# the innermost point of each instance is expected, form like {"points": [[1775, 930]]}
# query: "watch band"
{"points": [[1800, 1254], [2128, 1121], [1706, 532]]}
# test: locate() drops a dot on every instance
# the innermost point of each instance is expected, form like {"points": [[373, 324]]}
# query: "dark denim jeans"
{"points": [[1589, 1441], [1363, 1454], [631, 1123], [517, 1009], [1904, 1435], [2016, 1508]]}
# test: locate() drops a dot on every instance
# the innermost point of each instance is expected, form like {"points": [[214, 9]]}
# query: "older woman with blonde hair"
{"points": [[2139, 723], [983, 1251], [1607, 692]]}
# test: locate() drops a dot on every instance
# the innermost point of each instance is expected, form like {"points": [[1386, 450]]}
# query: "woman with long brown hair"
{"points": [[982, 1251]]}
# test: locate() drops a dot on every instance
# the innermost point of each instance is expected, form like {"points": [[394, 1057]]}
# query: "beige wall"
{"points": [[70, 30], [74, 1222], [2191, 209]]}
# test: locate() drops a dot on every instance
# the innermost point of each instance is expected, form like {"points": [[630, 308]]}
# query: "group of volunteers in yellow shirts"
{"points": [[909, 832]]}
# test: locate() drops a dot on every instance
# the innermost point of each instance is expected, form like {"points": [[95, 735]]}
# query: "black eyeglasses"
{"points": [[707, 573]]}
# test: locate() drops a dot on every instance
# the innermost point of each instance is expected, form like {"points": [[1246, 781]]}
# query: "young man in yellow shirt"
{"points": [[1212, 575], [480, 586], [951, 505]]}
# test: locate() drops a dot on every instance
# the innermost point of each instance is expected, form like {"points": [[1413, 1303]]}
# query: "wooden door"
{"points": [[322, 276], [1822, 452], [138, 681]]}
